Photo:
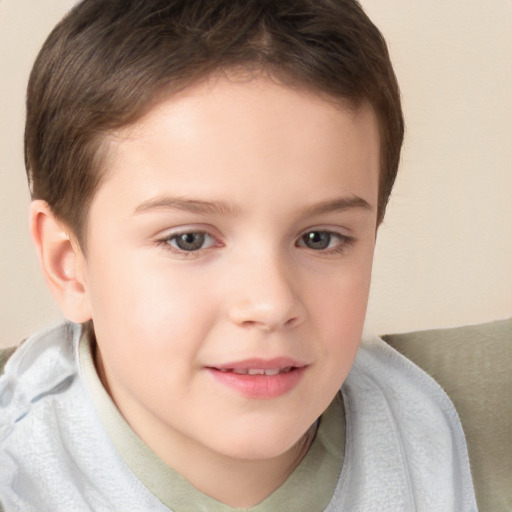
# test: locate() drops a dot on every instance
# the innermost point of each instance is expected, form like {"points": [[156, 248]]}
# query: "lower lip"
{"points": [[260, 386]]}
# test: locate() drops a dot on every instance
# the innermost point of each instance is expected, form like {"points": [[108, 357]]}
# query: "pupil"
{"points": [[190, 241], [317, 239]]}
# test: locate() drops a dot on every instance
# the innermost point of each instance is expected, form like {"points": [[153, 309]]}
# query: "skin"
{"points": [[277, 163]]}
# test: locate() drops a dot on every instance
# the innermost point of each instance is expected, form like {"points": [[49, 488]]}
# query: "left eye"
{"points": [[320, 240], [191, 241]]}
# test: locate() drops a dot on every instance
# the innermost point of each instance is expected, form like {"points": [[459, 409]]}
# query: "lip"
{"points": [[236, 376]]}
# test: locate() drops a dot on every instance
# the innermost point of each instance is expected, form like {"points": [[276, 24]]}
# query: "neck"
{"points": [[235, 482]]}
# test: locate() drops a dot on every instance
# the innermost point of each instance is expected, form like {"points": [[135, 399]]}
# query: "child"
{"points": [[207, 178]]}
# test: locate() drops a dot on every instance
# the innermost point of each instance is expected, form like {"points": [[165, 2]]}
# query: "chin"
{"points": [[259, 443]]}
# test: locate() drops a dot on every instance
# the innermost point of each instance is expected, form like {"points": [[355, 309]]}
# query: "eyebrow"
{"points": [[226, 208], [339, 205], [188, 205]]}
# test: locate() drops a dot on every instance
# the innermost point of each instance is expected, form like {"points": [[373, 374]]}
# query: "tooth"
{"points": [[240, 371], [287, 369], [256, 371], [274, 371]]}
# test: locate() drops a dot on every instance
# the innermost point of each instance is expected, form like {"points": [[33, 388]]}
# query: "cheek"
{"points": [[147, 310], [340, 309], [149, 319]]}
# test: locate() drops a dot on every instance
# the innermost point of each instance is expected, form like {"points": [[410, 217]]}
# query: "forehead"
{"points": [[248, 101], [223, 135]]}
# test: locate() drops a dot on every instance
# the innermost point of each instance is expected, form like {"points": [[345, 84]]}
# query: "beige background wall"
{"points": [[445, 250]]}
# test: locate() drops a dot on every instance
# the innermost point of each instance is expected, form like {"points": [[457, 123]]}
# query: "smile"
{"points": [[258, 378], [256, 371]]}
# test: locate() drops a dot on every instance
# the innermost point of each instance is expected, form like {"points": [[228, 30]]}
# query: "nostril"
{"points": [[291, 322], [269, 326], [255, 324]]}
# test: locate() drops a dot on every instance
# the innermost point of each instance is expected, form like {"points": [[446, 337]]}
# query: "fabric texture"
{"points": [[473, 364], [405, 449]]}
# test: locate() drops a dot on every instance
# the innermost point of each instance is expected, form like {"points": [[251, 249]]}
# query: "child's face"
{"points": [[235, 230]]}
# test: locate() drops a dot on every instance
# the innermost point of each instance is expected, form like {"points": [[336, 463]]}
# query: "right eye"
{"points": [[190, 241]]}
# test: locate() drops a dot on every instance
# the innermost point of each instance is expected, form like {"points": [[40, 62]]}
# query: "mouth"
{"points": [[259, 378], [257, 371]]}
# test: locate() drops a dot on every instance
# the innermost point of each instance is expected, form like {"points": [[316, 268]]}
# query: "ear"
{"points": [[63, 263]]}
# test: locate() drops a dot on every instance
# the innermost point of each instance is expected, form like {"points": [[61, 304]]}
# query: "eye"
{"points": [[318, 240], [321, 240], [190, 241]]}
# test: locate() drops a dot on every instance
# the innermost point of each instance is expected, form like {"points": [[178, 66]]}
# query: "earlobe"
{"points": [[62, 261]]}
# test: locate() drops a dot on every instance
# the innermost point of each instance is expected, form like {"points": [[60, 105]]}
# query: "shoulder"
{"points": [[378, 366], [44, 364], [52, 441], [404, 442], [473, 365], [56, 344], [389, 381]]}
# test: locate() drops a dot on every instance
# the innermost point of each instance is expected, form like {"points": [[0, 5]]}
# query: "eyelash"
{"points": [[344, 242], [165, 243]]}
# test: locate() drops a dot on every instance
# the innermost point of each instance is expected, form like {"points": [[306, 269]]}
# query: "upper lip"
{"points": [[260, 364]]}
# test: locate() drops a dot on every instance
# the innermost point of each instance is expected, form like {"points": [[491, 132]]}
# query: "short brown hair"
{"points": [[108, 61]]}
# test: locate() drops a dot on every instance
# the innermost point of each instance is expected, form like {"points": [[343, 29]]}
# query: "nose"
{"points": [[266, 295]]}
